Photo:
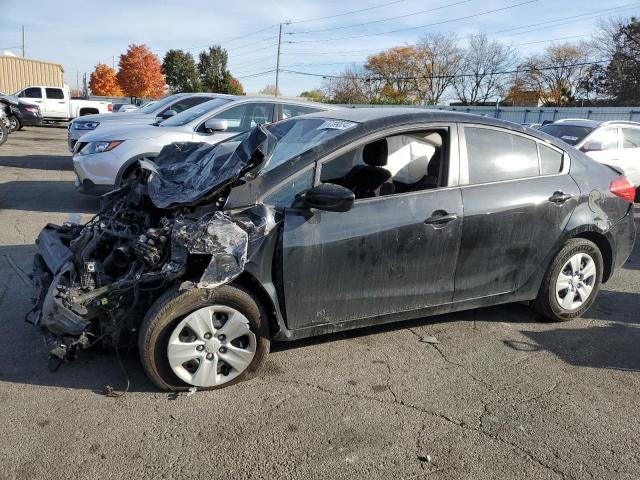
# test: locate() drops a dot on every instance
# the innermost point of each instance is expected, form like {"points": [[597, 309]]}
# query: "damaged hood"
{"points": [[185, 173]]}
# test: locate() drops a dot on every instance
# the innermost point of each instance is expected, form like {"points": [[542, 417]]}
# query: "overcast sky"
{"points": [[79, 34]]}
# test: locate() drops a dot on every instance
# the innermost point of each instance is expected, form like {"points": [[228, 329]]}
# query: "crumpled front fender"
{"points": [[230, 239]]}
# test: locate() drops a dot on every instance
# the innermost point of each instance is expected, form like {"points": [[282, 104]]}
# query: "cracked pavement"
{"points": [[500, 396]]}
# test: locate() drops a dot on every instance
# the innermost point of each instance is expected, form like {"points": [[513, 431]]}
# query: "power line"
{"points": [[551, 40], [466, 17], [461, 75], [560, 19], [246, 62], [266, 72], [382, 20], [593, 12], [348, 13]]}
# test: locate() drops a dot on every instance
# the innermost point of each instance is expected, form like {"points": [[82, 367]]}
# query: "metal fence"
{"points": [[537, 115]]}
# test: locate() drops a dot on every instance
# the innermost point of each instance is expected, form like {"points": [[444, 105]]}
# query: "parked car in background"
{"points": [[146, 115], [327, 222], [20, 114], [57, 105], [108, 156], [128, 107], [615, 143]]}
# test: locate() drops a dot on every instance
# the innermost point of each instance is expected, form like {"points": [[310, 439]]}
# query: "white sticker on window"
{"points": [[337, 125], [569, 137]]}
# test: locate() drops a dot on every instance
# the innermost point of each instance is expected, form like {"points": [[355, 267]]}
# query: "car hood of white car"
{"points": [[121, 117], [125, 132]]}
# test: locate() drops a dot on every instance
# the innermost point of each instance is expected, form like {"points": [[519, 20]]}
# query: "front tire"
{"points": [[204, 338], [572, 281], [14, 124]]}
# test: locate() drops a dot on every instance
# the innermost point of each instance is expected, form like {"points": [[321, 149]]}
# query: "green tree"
{"points": [[314, 95], [214, 75], [619, 40], [180, 71]]}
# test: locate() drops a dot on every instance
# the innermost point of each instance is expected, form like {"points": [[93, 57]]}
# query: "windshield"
{"points": [[152, 107], [297, 135], [192, 113], [572, 134]]}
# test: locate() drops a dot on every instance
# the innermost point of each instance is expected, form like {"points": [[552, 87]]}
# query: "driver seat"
{"points": [[366, 180]]}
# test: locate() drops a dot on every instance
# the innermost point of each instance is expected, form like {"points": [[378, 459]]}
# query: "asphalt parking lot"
{"points": [[500, 395]]}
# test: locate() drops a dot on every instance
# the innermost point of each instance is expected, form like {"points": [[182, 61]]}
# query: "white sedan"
{"points": [[105, 158]]}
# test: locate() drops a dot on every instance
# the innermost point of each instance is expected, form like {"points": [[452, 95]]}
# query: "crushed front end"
{"points": [[93, 283]]}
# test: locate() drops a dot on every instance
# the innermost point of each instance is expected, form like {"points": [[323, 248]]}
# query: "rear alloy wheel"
{"points": [[572, 282], [203, 338], [4, 133], [14, 124]]}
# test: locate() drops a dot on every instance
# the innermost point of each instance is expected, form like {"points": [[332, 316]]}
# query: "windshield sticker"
{"points": [[336, 125], [569, 137]]}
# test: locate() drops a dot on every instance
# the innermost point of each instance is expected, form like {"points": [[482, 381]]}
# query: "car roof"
{"points": [[578, 122], [404, 115]]}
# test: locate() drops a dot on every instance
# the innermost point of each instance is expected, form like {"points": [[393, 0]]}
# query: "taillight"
{"points": [[622, 188], [110, 107]]}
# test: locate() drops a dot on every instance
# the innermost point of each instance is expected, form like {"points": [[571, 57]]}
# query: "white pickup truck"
{"points": [[56, 104]]}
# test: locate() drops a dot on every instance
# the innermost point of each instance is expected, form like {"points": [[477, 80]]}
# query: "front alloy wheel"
{"points": [[211, 346], [203, 338]]}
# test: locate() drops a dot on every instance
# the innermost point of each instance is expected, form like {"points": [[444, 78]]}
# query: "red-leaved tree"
{"points": [[103, 81], [140, 73]]}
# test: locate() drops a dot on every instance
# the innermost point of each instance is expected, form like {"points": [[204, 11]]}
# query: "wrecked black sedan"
{"points": [[327, 222]]}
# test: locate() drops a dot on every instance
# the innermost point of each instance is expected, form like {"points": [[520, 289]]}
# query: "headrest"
{"points": [[375, 153], [434, 165]]}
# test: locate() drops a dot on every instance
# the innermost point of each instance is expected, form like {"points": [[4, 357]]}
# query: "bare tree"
{"points": [[482, 68], [557, 74], [394, 69], [269, 90], [349, 87], [437, 61]]}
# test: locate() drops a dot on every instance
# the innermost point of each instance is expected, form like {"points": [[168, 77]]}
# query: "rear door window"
{"points": [[186, 103], [289, 111], [495, 155], [630, 138], [54, 93], [550, 160]]}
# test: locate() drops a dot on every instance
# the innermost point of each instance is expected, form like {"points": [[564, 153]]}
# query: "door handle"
{"points": [[559, 197], [440, 217], [62, 102]]}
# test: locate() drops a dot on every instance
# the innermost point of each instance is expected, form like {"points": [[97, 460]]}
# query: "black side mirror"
{"points": [[169, 114], [329, 197]]}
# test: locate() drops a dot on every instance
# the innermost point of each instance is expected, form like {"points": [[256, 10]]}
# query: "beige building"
{"points": [[17, 73]]}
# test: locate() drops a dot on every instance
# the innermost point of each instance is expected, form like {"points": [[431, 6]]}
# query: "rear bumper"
{"points": [[30, 120], [623, 234]]}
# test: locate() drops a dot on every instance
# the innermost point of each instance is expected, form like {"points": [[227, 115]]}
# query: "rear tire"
{"points": [[4, 133], [572, 281], [14, 124], [161, 330]]}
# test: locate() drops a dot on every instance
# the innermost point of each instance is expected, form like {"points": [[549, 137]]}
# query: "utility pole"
{"points": [[113, 62], [278, 59], [23, 56]]}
